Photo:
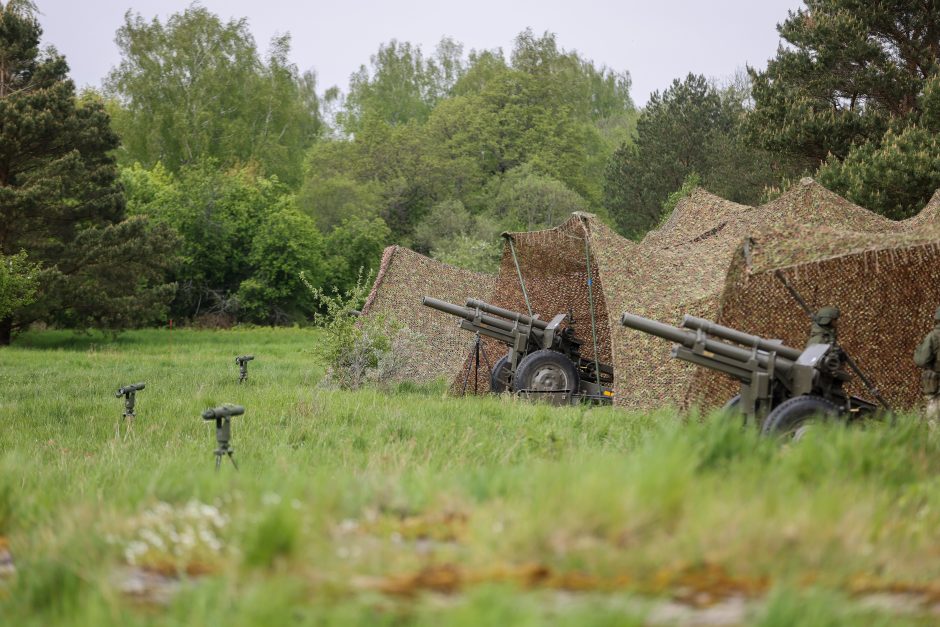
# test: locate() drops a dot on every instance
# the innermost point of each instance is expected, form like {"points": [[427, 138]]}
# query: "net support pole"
{"points": [[515, 260], [590, 286]]}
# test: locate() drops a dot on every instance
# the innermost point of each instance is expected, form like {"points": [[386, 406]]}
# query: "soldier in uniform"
{"points": [[927, 356], [823, 330]]}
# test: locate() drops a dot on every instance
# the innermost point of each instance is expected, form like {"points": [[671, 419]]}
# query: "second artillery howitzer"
{"points": [[782, 388], [544, 357]]}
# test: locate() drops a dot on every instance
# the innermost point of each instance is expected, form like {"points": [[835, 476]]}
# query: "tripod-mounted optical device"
{"points": [[129, 392], [223, 430], [242, 362]]}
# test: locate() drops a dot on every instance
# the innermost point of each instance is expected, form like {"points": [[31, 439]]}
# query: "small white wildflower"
{"points": [[187, 539], [348, 525], [270, 498], [151, 538], [296, 504]]}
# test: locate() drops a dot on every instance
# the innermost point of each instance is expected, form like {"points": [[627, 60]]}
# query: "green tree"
{"points": [[443, 222], [516, 119], [852, 92], [287, 245], [196, 88], [390, 165], [470, 252], [355, 248], [402, 85], [691, 127], [60, 200], [19, 280], [524, 200], [594, 93], [425, 131], [218, 213]]}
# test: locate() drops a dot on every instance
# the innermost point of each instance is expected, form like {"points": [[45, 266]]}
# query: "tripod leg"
{"points": [[486, 359], [231, 456], [218, 460], [476, 366], [466, 378]]}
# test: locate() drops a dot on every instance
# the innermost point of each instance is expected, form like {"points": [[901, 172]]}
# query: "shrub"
{"points": [[357, 349]]}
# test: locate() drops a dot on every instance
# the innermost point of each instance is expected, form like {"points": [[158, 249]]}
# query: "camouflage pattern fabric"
{"points": [[436, 346], [710, 258]]}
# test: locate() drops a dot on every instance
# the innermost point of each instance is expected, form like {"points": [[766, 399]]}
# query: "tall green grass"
{"points": [[342, 495]]}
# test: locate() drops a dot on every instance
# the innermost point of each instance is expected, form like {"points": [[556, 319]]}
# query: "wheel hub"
{"points": [[549, 378]]}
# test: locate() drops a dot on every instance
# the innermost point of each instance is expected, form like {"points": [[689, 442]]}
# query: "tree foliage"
{"points": [[401, 85], [196, 88], [420, 132], [19, 280], [60, 200], [243, 241], [692, 127], [854, 92], [287, 245]]}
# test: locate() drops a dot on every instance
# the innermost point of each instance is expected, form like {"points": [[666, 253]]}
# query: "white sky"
{"points": [[656, 41]]}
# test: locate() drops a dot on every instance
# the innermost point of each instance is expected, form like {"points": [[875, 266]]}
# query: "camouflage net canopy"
{"points": [[711, 258], [883, 275], [554, 267], [436, 347]]}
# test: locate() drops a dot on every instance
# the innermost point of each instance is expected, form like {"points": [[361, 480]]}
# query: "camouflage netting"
{"points": [[834, 252], [438, 347], [714, 259], [553, 264], [884, 276]]}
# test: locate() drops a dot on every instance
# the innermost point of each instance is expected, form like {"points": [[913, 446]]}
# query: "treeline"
{"points": [[206, 176]]}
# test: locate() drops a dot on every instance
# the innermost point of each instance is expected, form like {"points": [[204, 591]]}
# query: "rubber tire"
{"points": [[497, 386], [792, 413], [733, 406], [531, 363]]}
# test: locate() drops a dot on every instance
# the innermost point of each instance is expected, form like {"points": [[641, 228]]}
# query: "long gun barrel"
{"points": [[739, 337], [689, 339], [498, 327], [505, 313]]}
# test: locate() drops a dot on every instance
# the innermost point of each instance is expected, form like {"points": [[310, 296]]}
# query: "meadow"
{"points": [[407, 506]]}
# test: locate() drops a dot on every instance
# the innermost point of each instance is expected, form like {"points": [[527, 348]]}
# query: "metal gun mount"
{"points": [[242, 362], [543, 359], [782, 388], [129, 392], [222, 416]]}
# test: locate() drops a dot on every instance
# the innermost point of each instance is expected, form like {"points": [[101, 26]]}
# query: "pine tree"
{"points": [[855, 92], [60, 200]]}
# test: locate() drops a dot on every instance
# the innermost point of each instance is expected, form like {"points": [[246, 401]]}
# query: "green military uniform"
{"points": [[823, 330], [927, 356]]}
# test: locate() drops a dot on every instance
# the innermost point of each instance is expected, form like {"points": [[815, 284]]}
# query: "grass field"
{"points": [[408, 506]]}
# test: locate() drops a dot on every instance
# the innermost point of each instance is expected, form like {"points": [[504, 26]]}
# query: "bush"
{"points": [[357, 349]]}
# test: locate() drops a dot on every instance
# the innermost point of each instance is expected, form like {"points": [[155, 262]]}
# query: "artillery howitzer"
{"points": [[544, 357], [782, 388]]}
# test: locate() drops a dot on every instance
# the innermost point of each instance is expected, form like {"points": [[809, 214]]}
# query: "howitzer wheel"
{"points": [[546, 371], [499, 378], [792, 417], [733, 406]]}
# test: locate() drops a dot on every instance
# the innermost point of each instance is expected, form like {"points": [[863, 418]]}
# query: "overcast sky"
{"points": [[655, 40]]}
